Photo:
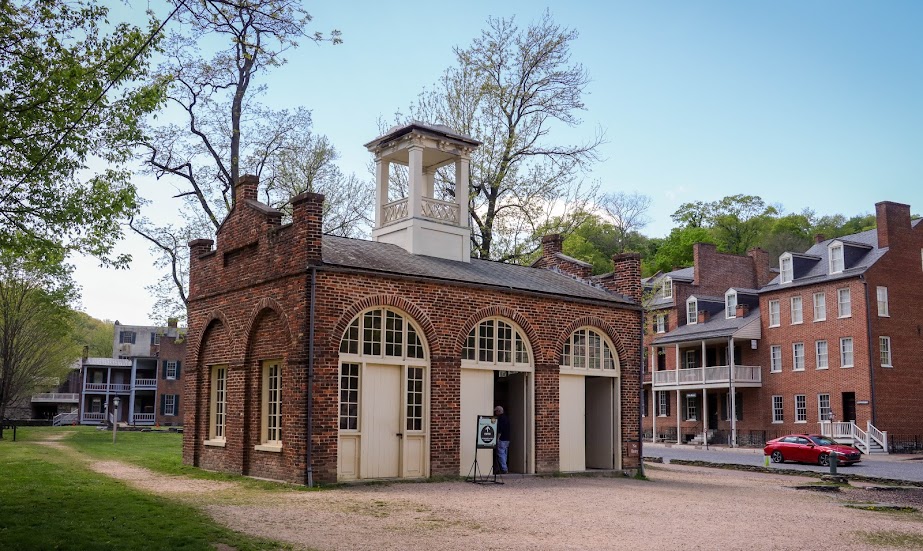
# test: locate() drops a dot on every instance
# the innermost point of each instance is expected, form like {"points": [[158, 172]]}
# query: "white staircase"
{"points": [[867, 441]]}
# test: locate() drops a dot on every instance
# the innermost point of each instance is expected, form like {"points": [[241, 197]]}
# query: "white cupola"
{"points": [[420, 223]]}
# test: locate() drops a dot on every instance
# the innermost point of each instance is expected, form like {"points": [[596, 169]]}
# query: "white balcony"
{"points": [[103, 387], [142, 418], [145, 384], [94, 417], [56, 397], [707, 377]]}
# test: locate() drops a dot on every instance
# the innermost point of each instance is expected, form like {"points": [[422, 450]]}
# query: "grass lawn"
{"points": [[48, 500]]}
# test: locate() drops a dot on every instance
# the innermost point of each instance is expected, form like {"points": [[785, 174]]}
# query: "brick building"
{"points": [[314, 357]]}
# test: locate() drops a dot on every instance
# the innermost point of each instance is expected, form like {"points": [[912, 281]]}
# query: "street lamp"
{"points": [[115, 418]]}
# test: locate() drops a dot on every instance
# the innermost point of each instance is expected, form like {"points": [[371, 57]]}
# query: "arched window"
{"points": [[588, 349], [498, 342], [382, 333]]}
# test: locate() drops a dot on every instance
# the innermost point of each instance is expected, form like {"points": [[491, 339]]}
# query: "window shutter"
{"points": [[179, 365], [739, 406], [163, 369], [163, 403], [668, 403], [176, 404], [152, 338]]}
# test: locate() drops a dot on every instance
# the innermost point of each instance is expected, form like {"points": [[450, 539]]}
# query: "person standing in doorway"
{"points": [[503, 438]]}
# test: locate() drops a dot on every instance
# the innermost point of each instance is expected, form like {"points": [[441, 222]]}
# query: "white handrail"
{"points": [[878, 436]]}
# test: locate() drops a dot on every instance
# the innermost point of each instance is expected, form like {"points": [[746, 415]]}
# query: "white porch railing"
{"points": [[141, 384], [94, 416], [394, 211], [442, 211], [59, 397], [706, 375], [861, 439], [143, 417], [64, 419], [103, 387]]}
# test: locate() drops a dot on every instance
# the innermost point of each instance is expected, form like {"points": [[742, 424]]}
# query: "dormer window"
{"points": [[667, 287], [692, 311], [786, 274], [730, 304], [835, 252]]}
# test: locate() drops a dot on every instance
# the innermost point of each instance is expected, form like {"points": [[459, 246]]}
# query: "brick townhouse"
{"points": [[831, 344], [314, 357]]}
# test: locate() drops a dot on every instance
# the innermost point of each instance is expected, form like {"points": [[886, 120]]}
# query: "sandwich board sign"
{"points": [[487, 432]]}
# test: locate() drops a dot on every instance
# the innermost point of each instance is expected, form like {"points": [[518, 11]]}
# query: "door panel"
{"points": [[519, 385], [413, 457], [381, 421], [477, 397], [599, 423], [572, 422]]}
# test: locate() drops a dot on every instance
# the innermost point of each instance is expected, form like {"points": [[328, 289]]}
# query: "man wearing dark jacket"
{"points": [[503, 438]]}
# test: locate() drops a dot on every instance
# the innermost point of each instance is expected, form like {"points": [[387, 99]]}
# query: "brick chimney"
{"points": [[246, 187], [551, 245], [172, 322], [893, 221], [819, 238], [760, 266], [626, 275], [701, 253], [197, 248], [308, 223], [742, 310], [702, 316]]}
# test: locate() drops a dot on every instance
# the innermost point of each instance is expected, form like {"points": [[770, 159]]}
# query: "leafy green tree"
{"points": [[792, 232], [96, 335], [509, 89], [676, 249], [57, 114]]}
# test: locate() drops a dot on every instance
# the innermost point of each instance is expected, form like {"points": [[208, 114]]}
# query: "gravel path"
{"points": [[680, 508]]}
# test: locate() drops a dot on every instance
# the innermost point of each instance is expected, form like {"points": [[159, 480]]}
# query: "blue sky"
{"points": [[807, 104]]}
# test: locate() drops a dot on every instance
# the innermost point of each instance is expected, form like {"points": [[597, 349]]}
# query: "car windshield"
{"points": [[823, 441]]}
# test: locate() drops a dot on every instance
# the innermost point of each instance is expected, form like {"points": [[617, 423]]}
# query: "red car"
{"points": [[810, 448]]}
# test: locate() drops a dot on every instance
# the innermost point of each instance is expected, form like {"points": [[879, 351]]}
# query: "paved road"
{"points": [[899, 467]]}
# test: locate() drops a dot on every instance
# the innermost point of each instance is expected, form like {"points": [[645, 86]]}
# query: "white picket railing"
{"points": [[145, 383], [64, 419], [443, 211], [61, 397], [94, 416], [861, 439], [707, 375], [143, 417]]}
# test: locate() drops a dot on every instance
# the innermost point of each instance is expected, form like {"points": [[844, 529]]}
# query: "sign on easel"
{"points": [[487, 432]]}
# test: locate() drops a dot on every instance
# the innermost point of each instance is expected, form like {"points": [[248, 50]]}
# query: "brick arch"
{"points": [[216, 317], [399, 303], [597, 323], [500, 312], [262, 306]]}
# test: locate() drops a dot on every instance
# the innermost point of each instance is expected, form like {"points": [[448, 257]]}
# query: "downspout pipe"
{"points": [[309, 402], [868, 328], [641, 394]]}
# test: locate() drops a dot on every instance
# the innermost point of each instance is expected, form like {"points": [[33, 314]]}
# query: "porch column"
{"points": [[655, 409], [382, 176], [416, 182], [83, 394], [108, 388], [679, 438], [462, 189], [705, 416], [677, 361], [131, 397], [703, 361], [733, 413]]}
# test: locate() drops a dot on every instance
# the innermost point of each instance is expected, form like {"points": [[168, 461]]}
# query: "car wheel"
{"points": [[823, 459], [777, 457]]}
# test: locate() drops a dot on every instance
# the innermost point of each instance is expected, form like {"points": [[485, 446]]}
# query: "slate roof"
{"points": [[715, 327], [660, 301], [818, 273], [386, 258]]}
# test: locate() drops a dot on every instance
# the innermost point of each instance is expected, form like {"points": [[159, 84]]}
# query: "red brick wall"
{"points": [[170, 350]]}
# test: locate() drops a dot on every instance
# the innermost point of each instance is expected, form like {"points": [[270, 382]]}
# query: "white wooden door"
{"points": [[572, 407], [477, 397], [381, 421], [600, 423]]}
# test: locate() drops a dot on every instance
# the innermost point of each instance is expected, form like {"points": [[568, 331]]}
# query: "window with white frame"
{"points": [[155, 338], [820, 352], [884, 348], [692, 311], [775, 358], [801, 408], [882, 293], [588, 349], [661, 323], [690, 360], [495, 341], [171, 369], [414, 399], [667, 288], [844, 302], [127, 337], [692, 410], [835, 252], [798, 356], [169, 404], [775, 315], [820, 307], [218, 410], [397, 339], [349, 396], [778, 412], [823, 407], [271, 433], [785, 268], [644, 403], [663, 404], [846, 358], [796, 310], [730, 304]]}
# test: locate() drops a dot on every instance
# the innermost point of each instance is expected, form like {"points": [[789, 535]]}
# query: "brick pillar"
{"points": [[626, 275], [760, 267], [246, 187], [197, 248], [308, 220]]}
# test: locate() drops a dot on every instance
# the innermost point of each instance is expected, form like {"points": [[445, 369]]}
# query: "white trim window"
{"points": [[692, 410], [495, 341], [171, 370], [797, 315], [271, 412], [775, 359], [846, 352], [884, 348], [349, 396], [786, 273], [775, 315], [882, 295], [219, 403], [660, 321], [365, 336], [798, 356], [690, 362], [844, 302], [663, 404], [801, 408], [169, 404], [835, 254], [588, 349], [823, 407], [778, 412], [821, 355], [692, 311], [730, 304], [820, 307], [667, 288]]}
